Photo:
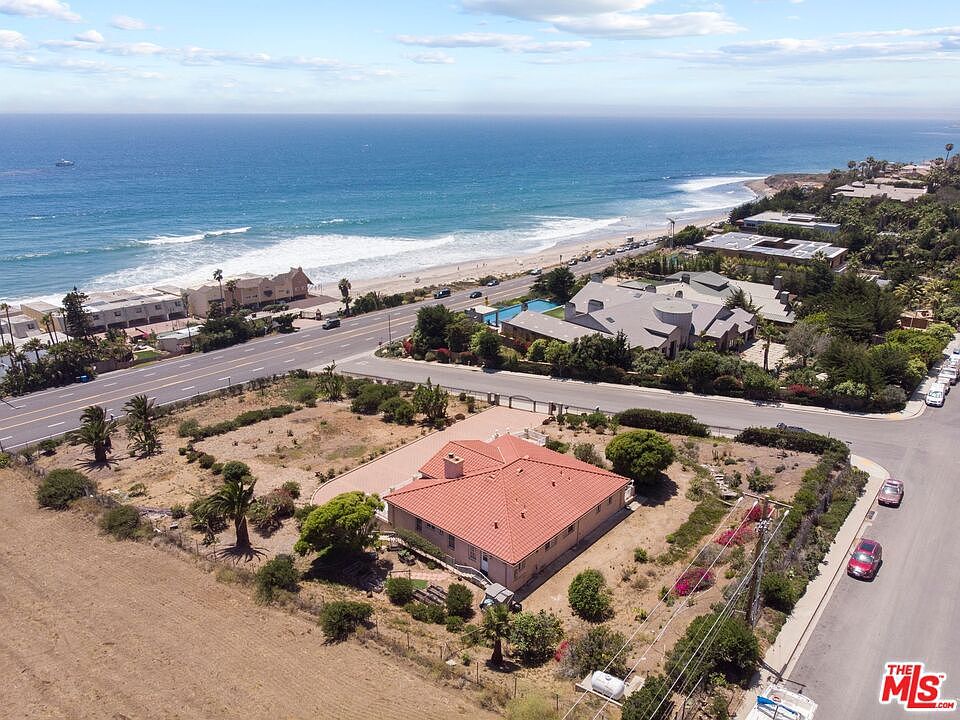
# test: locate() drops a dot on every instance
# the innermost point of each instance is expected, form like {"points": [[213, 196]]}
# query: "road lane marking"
{"points": [[67, 395], [56, 424], [286, 362], [188, 387], [8, 437], [106, 385], [256, 369], [149, 374], [223, 378]]}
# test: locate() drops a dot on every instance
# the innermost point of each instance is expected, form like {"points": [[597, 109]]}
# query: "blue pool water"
{"points": [[540, 306]]}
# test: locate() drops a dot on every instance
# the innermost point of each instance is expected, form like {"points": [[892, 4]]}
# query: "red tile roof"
{"points": [[513, 495]]}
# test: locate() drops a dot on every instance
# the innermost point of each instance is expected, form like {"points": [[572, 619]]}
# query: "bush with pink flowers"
{"points": [[693, 580], [736, 536]]}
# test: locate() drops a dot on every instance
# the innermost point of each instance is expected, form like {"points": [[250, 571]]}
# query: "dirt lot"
{"points": [[95, 628]]}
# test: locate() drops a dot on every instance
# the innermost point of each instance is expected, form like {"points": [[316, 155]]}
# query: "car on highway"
{"points": [[536, 271], [585, 258], [493, 283], [442, 293], [791, 428], [891, 493], [935, 395], [331, 323], [573, 262], [865, 560], [475, 294]]}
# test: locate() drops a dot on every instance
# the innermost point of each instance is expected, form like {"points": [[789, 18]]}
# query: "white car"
{"points": [[935, 395], [536, 271]]}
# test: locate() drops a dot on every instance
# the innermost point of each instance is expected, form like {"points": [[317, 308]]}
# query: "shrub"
{"points": [[597, 420], [278, 573], [371, 397], [121, 521], [531, 707], [61, 487], [586, 452], [397, 410], [640, 455], [400, 590], [459, 600], [693, 580], [792, 440], [640, 555], [557, 445], [702, 521], [593, 650], [589, 596], [419, 543], [534, 636], [188, 428], [758, 482], [267, 512], [137, 490], [206, 461], [292, 488], [737, 536], [454, 623], [178, 511], [779, 592], [644, 703], [341, 617], [731, 650], [48, 446]]}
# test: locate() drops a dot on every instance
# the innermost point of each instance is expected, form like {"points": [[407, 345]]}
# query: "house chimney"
{"points": [[778, 282], [452, 466], [594, 305], [685, 278], [678, 293]]}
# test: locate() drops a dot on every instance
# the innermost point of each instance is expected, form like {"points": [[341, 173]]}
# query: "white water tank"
{"points": [[607, 685], [674, 311]]}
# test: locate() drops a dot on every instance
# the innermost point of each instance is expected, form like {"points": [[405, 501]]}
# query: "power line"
{"points": [[655, 608]]}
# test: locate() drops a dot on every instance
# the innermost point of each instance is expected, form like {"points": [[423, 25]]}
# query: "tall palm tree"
{"points": [[142, 431], [94, 432], [233, 501], [6, 310], [344, 286], [767, 332], [948, 147], [34, 345], [218, 276], [3, 306], [47, 321], [496, 626], [232, 289]]}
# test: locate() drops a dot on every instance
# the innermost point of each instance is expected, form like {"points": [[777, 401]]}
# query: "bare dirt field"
{"points": [[95, 628]]}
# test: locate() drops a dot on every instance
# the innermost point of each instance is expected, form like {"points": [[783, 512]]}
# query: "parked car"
{"points": [[493, 283], [791, 428], [946, 378], [445, 292], [573, 262], [935, 395], [865, 560], [475, 294], [331, 323], [536, 271], [951, 371], [891, 493], [585, 258]]}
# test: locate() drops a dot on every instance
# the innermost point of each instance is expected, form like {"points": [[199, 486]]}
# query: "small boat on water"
{"points": [[62, 162], [778, 703]]}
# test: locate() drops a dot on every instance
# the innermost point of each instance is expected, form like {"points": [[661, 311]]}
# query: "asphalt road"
{"points": [[908, 613]]}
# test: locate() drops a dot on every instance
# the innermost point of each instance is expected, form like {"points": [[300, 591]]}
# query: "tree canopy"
{"points": [[640, 455], [344, 525]]}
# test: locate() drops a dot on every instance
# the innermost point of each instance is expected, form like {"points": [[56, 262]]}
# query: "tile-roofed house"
{"points": [[508, 507]]}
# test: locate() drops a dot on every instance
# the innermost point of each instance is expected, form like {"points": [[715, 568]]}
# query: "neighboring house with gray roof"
{"points": [[788, 219], [867, 190], [764, 247], [651, 321], [773, 302]]}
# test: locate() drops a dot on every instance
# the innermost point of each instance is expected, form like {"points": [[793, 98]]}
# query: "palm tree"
{"points": [[233, 501], [767, 332], [6, 310], [218, 276], [3, 306], [344, 286], [232, 289], [739, 298], [34, 345], [948, 147], [143, 433], [94, 432], [908, 292], [496, 626], [47, 321]]}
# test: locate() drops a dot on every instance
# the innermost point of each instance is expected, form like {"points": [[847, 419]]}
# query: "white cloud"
{"points": [[547, 9], [39, 8], [437, 57], [468, 39], [628, 25], [89, 36], [125, 22], [12, 40], [905, 32], [509, 43]]}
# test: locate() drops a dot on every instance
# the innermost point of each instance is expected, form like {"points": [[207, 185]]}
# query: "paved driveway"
{"points": [[400, 466]]}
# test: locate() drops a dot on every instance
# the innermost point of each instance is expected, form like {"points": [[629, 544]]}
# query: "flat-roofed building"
{"points": [[19, 325], [868, 190], [765, 247], [805, 221], [117, 309]]}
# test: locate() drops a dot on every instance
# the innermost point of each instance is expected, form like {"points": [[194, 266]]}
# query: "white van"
{"points": [[935, 395]]}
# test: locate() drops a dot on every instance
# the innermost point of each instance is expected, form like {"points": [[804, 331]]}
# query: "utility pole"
{"points": [[389, 331], [753, 595]]}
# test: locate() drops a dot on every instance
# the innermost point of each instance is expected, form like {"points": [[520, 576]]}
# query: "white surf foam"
{"points": [[706, 183], [181, 239]]}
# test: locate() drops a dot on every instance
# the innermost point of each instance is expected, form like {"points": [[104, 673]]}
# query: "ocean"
{"points": [[167, 199]]}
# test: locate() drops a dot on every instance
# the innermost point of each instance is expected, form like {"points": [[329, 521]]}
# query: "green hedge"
{"points": [[792, 440], [702, 521], [677, 423], [249, 417], [420, 543]]}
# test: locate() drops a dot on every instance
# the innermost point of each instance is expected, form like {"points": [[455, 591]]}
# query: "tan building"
{"points": [[507, 508], [20, 326], [252, 291], [117, 309]]}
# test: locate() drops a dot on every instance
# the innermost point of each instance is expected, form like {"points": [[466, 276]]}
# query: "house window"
{"points": [[569, 529], [610, 500], [518, 568], [472, 552], [117, 313], [598, 508], [547, 546], [451, 543], [419, 525]]}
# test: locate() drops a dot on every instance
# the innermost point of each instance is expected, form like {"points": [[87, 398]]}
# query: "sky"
{"points": [[830, 58]]}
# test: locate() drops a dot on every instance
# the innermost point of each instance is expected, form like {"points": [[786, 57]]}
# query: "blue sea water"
{"points": [[166, 199]]}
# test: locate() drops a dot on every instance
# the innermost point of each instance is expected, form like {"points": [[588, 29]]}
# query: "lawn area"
{"points": [[557, 312]]}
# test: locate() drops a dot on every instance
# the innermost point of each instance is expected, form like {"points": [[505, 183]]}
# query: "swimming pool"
{"points": [[540, 306]]}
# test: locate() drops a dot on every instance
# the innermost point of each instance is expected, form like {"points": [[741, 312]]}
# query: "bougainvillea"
{"points": [[693, 580], [736, 536], [757, 510]]}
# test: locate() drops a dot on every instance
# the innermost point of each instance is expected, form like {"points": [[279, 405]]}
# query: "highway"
{"points": [[908, 613]]}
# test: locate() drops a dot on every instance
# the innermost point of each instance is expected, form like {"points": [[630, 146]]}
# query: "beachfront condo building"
{"points": [[248, 290], [794, 220], [766, 248], [117, 309]]}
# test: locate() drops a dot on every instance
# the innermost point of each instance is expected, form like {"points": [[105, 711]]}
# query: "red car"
{"points": [[891, 494], [865, 560]]}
